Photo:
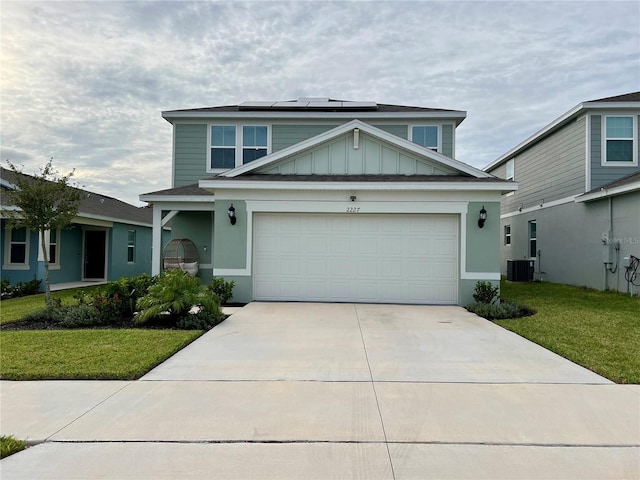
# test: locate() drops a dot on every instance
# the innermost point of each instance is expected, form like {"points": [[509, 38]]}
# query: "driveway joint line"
{"points": [[89, 410], [375, 393]]}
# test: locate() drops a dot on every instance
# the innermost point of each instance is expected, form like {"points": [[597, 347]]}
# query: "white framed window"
{"points": [[131, 246], [235, 145], [511, 169], [507, 234], [54, 248], [16, 249], [533, 239], [425, 135], [619, 141]]}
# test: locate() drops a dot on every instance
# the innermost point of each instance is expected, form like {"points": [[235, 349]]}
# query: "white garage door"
{"points": [[384, 258]]}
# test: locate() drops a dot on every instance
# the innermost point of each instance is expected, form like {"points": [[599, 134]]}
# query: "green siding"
{"points": [[373, 157], [190, 154], [483, 244], [283, 136], [230, 241], [118, 240], [447, 140], [197, 227], [401, 131]]}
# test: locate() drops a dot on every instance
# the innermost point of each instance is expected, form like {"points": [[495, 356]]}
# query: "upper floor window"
{"points": [[131, 246], [16, 252], [510, 169], [233, 146], [425, 135], [619, 141]]}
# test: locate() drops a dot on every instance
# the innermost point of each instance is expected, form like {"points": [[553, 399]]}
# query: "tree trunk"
{"points": [[47, 286]]}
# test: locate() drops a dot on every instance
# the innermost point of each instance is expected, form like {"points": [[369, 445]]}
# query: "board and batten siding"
{"points": [[372, 157], [549, 170], [603, 174], [190, 150], [447, 140]]}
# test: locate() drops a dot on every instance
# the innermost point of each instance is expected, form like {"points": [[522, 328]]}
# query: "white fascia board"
{"points": [[380, 186], [151, 198], [172, 203], [608, 192], [456, 114], [7, 184], [611, 105], [87, 218], [364, 127]]}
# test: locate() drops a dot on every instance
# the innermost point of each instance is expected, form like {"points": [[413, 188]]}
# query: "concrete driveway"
{"points": [[317, 391]]}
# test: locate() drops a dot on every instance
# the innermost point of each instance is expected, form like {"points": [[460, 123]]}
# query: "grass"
{"points": [[595, 329], [13, 309], [102, 354], [9, 446]]}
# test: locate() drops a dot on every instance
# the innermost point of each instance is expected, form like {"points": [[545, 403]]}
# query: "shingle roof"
{"points": [[627, 180], [627, 97], [344, 107], [96, 204], [186, 190]]}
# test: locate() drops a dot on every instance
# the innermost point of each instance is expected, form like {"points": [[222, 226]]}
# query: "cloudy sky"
{"points": [[85, 82]]}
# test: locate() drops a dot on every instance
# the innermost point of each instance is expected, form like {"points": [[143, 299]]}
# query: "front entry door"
{"points": [[95, 243]]}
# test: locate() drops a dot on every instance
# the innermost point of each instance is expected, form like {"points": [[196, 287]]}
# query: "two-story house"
{"points": [[577, 210], [326, 200]]}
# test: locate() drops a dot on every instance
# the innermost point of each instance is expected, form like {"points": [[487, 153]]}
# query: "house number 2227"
{"points": [[353, 209]]}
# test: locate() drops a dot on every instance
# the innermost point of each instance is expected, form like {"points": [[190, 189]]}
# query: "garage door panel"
{"points": [[365, 258]]}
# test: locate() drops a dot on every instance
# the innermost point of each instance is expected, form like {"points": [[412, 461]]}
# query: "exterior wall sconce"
{"points": [[352, 198], [482, 218], [232, 214]]}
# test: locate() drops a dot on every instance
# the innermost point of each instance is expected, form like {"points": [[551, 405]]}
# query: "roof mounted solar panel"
{"points": [[255, 105]]}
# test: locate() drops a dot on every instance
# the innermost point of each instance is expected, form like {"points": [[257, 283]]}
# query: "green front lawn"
{"points": [[13, 309], [103, 354], [598, 330]]}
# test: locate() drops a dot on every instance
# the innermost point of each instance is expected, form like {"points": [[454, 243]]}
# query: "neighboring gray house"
{"points": [[326, 200], [107, 240], [577, 210]]}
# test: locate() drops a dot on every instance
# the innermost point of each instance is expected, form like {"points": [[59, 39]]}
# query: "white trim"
{"points": [[587, 172], [634, 141], [173, 157], [608, 192], [228, 272], [239, 146], [363, 127], [154, 198], [47, 240], [378, 186], [480, 276], [535, 208], [6, 261], [458, 115], [438, 128]]}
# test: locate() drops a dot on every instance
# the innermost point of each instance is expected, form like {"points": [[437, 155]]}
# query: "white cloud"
{"points": [[85, 82]]}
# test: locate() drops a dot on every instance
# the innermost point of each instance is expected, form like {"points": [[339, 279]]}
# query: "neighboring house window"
{"points": [[425, 135], [17, 248], [507, 234], [533, 239], [233, 146], [254, 143], [619, 140], [510, 169], [53, 246], [223, 146], [131, 246]]}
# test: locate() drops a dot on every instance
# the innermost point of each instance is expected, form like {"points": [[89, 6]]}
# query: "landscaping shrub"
{"points": [[500, 311], [486, 293], [20, 289], [222, 288], [202, 320], [81, 316], [174, 294]]}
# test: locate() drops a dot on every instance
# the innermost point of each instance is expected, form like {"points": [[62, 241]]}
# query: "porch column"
{"points": [[156, 246]]}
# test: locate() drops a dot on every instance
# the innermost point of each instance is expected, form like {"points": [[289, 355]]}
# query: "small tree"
{"points": [[44, 202]]}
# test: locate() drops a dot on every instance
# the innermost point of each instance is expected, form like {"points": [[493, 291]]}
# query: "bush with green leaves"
{"points": [[174, 295], [124, 293], [20, 289], [486, 293], [500, 311], [201, 320], [222, 288]]}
